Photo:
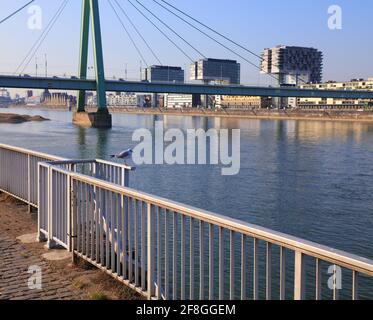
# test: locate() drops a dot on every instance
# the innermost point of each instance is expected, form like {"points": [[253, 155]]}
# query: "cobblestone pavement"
{"points": [[59, 279], [14, 276]]}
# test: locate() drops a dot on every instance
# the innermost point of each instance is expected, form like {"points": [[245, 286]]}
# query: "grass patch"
{"points": [[98, 295], [79, 285]]}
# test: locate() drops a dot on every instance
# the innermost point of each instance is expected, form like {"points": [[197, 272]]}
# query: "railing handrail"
{"points": [[62, 160], [115, 164], [32, 153], [325, 253]]}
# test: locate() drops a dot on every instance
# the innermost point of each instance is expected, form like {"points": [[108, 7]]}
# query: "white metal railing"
{"points": [[19, 172], [55, 193], [167, 250]]}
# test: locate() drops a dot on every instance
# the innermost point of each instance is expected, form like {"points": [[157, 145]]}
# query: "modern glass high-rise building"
{"points": [[293, 65], [163, 74], [216, 70]]}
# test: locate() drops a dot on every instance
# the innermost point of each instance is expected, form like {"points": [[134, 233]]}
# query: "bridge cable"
{"points": [[162, 32], [63, 4], [15, 12], [172, 30], [209, 28], [215, 40], [138, 32], [129, 34], [219, 34]]}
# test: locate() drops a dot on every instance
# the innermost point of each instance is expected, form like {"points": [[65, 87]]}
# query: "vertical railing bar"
{"points": [[159, 253], [355, 285], [78, 199], [269, 272], [231, 267], [102, 227], [255, 271], [97, 209], [150, 247], [243, 267], [93, 221], [129, 237], [166, 259], [136, 227], [112, 231], [191, 261], [183, 261], [119, 238], [335, 285], [143, 239], [318, 279], [201, 261], [282, 273], [83, 217], [143, 246], [221, 263], [29, 180], [174, 258], [299, 276], [107, 240], [211, 262], [124, 242], [87, 222]]}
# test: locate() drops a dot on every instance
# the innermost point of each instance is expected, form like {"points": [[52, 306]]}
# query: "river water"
{"points": [[312, 179]]}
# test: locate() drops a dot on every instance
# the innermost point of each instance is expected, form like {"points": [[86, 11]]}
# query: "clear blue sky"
{"points": [[256, 24]]}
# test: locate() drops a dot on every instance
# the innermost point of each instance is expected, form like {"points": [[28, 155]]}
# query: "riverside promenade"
{"points": [[352, 115], [60, 280]]}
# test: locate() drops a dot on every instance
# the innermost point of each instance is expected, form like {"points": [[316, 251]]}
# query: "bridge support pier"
{"points": [[101, 120]]}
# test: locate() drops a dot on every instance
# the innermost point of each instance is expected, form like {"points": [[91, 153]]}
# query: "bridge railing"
{"points": [[167, 250]]}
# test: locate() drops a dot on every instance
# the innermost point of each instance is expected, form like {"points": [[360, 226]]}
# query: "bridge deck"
{"points": [[178, 88]]}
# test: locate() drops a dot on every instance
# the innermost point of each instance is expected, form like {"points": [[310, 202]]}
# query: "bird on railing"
{"points": [[126, 154]]}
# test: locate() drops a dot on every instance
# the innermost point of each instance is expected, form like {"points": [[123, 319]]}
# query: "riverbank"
{"points": [[60, 279], [296, 114], [17, 118]]}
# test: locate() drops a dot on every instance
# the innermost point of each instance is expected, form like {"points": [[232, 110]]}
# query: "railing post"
{"points": [[125, 177], [29, 182], [73, 217], [69, 211], [150, 253], [51, 242], [299, 276], [41, 235]]}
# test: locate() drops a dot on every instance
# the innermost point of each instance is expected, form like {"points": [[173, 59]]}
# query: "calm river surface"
{"points": [[305, 178]]}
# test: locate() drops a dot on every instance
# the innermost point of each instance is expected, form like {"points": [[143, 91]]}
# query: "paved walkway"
{"points": [[14, 277], [59, 279]]}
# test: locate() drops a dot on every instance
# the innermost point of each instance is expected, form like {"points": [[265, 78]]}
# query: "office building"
{"points": [[293, 65], [163, 74], [216, 70]]}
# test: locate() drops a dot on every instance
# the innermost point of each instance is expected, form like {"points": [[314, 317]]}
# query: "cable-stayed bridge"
{"points": [[91, 18]]}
